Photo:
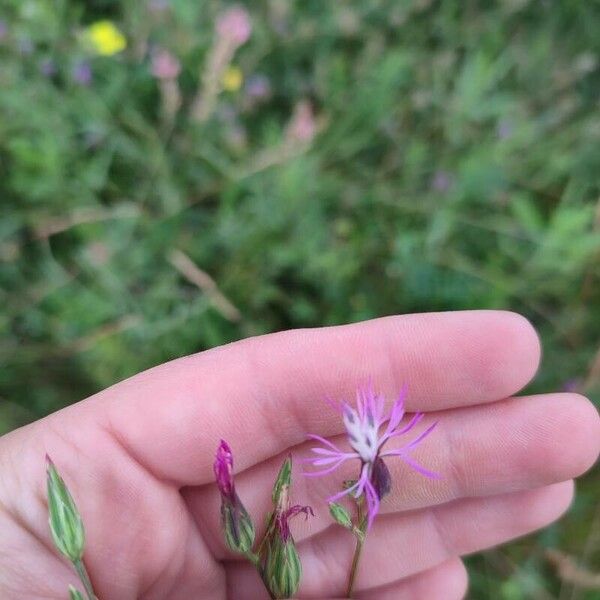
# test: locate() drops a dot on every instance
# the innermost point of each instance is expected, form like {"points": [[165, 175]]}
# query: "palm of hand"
{"points": [[138, 460]]}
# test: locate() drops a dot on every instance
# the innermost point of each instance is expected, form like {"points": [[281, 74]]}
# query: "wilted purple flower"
{"points": [[282, 520], [363, 426], [82, 73], [235, 25], [165, 65]]}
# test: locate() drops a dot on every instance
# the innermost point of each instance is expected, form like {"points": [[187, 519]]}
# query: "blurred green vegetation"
{"points": [[379, 157]]}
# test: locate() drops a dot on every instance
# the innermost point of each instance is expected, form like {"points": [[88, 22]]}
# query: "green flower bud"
{"points": [[75, 594], [65, 522], [282, 483], [237, 526], [283, 569], [340, 515]]}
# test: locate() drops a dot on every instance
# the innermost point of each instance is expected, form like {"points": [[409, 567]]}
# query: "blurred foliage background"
{"points": [[172, 179]]}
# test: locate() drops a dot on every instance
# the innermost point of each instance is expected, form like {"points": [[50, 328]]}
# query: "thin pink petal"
{"points": [[421, 437], [414, 421], [318, 450], [326, 471], [373, 503], [318, 438], [341, 494]]}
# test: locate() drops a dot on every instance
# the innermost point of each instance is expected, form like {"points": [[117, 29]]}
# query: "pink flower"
{"points": [[302, 126], [367, 437], [165, 65], [235, 25]]}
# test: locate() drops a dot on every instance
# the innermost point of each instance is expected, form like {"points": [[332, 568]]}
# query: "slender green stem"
{"points": [[85, 579], [360, 541]]}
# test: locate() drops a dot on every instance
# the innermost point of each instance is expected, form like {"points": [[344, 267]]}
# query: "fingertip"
{"points": [[569, 432], [516, 355]]}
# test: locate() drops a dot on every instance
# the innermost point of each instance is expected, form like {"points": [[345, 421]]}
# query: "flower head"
{"points": [[235, 25], [165, 65], [105, 38], [369, 429], [232, 79]]}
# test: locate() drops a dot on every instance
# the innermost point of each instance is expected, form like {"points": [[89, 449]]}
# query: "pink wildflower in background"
{"points": [[367, 438], [232, 29], [164, 64], [235, 25], [302, 127]]}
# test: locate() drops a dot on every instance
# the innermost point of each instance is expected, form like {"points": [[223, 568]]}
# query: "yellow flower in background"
{"points": [[105, 38], [232, 79]]}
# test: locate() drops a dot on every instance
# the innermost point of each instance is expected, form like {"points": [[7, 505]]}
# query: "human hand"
{"points": [[138, 456]]}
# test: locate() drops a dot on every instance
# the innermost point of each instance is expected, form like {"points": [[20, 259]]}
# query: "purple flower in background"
{"points": [[442, 181], [3, 29], [367, 437], [504, 129], [258, 87], [82, 73], [234, 25], [48, 68]]}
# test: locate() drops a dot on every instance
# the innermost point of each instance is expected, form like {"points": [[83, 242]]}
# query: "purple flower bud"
{"points": [[236, 523], [223, 468]]}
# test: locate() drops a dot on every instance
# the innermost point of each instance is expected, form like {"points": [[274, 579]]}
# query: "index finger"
{"points": [[264, 394]]}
